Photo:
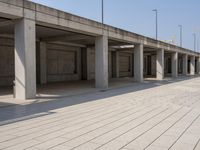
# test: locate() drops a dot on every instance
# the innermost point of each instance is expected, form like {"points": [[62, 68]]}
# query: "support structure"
{"points": [[101, 62], [138, 63], [160, 64], [185, 64], [174, 64], [192, 65], [25, 59], [43, 63]]}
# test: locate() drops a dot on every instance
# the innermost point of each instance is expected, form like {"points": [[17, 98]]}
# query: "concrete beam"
{"points": [[185, 64], [174, 64], [160, 64], [101, 62], [25, 59], [138, 63], [68, 44], [66, 38], [6, 23]]}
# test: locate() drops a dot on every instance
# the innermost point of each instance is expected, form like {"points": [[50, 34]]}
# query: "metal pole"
{"points": [[102, 11], [197, 44], [156, 11], [194, 41], [181, 33]]}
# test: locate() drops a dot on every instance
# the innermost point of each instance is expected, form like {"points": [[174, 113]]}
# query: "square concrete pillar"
{"points": [[138, 63], [185, 64], [101, 62], [43, 63], [175, 65], [25, 59], [192, 65], [160, 64]]}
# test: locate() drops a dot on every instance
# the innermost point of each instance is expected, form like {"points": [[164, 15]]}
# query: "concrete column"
{"points": [[138, 63], [185, 64], [175, 65], [192, 65], [160, 64], [101, 62], [43, 63], [25, 59]]}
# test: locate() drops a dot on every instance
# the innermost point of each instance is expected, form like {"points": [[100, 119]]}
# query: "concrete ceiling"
{"points": [[54, 35]]}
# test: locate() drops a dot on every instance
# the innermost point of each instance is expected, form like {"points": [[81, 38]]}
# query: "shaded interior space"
{"points": [[167, 64], [189, 66], [196, 65], [180, 64], [65, 62], [149, 62]]}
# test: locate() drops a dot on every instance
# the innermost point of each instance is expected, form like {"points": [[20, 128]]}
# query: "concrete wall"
{"points": [[6, 62], [152, 64], [167, 64], [91, 63], [63, 63], [125, 64]]}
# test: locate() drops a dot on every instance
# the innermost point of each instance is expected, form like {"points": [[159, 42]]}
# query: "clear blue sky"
{"points": [[137, 15]]}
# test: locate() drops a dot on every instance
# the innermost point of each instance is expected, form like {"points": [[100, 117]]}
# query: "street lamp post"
{"points": [[181, 34], [156, 11], [102, 11], [194, 34]]}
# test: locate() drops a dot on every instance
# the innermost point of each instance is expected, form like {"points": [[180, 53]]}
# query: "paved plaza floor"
{"points": [[154, 115]]}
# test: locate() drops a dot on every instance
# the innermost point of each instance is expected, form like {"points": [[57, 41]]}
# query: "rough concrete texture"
{"points": [[25, 59], [160, 64], [138, 63], [101, 62]]}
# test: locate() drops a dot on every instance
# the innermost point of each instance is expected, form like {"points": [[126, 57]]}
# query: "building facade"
{"points": [[40, 45]]}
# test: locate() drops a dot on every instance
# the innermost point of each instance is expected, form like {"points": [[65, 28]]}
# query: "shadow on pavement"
{"points": [[24, 112]]}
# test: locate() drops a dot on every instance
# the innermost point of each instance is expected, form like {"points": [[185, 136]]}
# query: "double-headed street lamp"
{"points": [[156, 11], [181, 34]]}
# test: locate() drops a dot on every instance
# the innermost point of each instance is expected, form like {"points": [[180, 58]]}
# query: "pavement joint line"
{"points": [[184, 131], [101, 120], [198, 142], [100, 126], [152, 127], [107, 123], [115, 127], [94, 109], [72, 116], [62, 122], [18, 137], [158, 124], [169, 128], [135, 127], [72, 105]]}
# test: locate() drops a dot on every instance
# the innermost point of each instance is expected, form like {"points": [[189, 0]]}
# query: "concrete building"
{"points": [[40, 45]]}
